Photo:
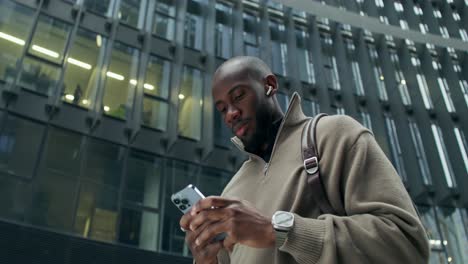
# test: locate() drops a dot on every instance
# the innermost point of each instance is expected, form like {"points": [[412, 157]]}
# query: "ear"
{"points": [[271, 85]]}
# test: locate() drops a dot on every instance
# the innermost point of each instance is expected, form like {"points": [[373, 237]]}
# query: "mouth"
{"points": [[240, 129]]}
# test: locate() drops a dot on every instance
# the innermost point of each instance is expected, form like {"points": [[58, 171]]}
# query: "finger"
{"points": [[208, 252], [210, 232], [214, 215], [185, 221], [210, 203], [192, 235], [229, 242]]}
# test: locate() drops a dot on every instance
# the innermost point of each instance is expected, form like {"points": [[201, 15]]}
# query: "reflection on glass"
{"points": [[120, 81], [50, 38], [222, 133], [400, 79], [193, 31], [39, 76], [143, 180], [14, 197], [452, 228], [212, 181], [15, 24], [223, 31], [420, 152], [443, 156], [429, 222], [101, 7], [132, 13], [54, 194], [310, 107], [164, 22], [139, 228], [279, 49], [304, 57], [191, 103], [250, 34], [332, 77], [83, 70], [96, 216], [155, 113], [157, 77], [397, 154], [19, 146], [377, 72]]}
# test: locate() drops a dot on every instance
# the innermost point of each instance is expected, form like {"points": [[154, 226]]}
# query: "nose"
{"points": [[232, 114]]}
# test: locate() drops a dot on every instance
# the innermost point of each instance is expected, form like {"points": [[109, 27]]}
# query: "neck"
{"points": [[266, 149]]}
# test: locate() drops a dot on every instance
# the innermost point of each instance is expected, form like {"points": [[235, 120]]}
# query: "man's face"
{"points": [[243, 107]]}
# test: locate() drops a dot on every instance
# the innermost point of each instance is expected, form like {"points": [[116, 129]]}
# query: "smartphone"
{"points": [[186, 198]]}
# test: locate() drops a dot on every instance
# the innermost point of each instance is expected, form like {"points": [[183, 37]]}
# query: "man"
{"points": [[378, 223]]}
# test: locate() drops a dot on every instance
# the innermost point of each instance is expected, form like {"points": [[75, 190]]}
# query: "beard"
{"points": [[256, 141]]}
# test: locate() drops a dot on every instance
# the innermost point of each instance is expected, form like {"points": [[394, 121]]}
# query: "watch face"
{"points": [[284, 219]]}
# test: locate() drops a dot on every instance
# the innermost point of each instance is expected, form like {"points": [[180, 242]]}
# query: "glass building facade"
{"points": [[106, 110]]}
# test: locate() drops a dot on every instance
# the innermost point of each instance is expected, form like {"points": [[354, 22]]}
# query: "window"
{"points": [[400, 78], [120, 81], [304, 57], [101, 7], [394, 142], [223, 30], [41, 71], [15, 197], [15, 24], [251, 41], [156, 93], [430, 222], [422, 84], [278, 47], [132, 13], [444, 159], [139, 224], [222, 132], [191, 103], [96, 215], [365, 118], [420, 152], [164, 21], [462, 82], [283, 100], [377, 71], [85, 62], [310, 107], [20, 141], [452, 228], [194, 26], [329, 62], [56, 182], [462, 144]]}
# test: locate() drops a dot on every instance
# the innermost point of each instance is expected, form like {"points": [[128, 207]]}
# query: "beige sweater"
{"points": [[380, 226]]}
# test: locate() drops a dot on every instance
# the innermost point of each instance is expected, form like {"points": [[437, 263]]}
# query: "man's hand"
{"points": [[241, 222], [206, 254]]}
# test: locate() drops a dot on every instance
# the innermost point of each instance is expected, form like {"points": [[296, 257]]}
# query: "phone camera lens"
{"points": [[184, 201], [182, 207], [176, 201]]}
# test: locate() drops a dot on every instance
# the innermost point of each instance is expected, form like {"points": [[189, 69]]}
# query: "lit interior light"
{"points": [[70, 97], [79, 63], [445, 242], [449, 259], [403, 82], [106, 108], [85, 102], [148, 86], [115, 76], [381, 77], [181, 96], [45, 51], [133, 82], [12, 39], [201, 102], [98, 41]]}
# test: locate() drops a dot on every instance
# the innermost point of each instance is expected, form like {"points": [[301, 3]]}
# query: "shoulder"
{"points": [[340, 130]]}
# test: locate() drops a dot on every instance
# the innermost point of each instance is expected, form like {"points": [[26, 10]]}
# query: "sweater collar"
{"points": [[293, 116]]}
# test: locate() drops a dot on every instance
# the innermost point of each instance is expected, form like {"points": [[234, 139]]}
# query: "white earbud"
{"points": [[270, 88]]}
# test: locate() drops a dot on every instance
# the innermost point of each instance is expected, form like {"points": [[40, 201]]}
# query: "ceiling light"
{"points": [[45, 51], [181, 96], [70, 97], [133, 82], [79, 63], [106, 108], [403, 82], [85, 102], [148, 86], [381, 77], [98, 40], [12, 39], [115, 76]]}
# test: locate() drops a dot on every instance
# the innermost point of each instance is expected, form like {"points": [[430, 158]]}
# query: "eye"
{"points": [[238, 97]]}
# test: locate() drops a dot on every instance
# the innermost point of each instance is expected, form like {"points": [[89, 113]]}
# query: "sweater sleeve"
{"points": [[380, 226]]}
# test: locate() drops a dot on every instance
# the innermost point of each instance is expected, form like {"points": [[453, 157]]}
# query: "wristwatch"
{"points": [[282, 222]]}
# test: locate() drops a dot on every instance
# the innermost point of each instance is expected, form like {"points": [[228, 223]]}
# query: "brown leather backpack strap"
{"points": [[310, 156]]}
